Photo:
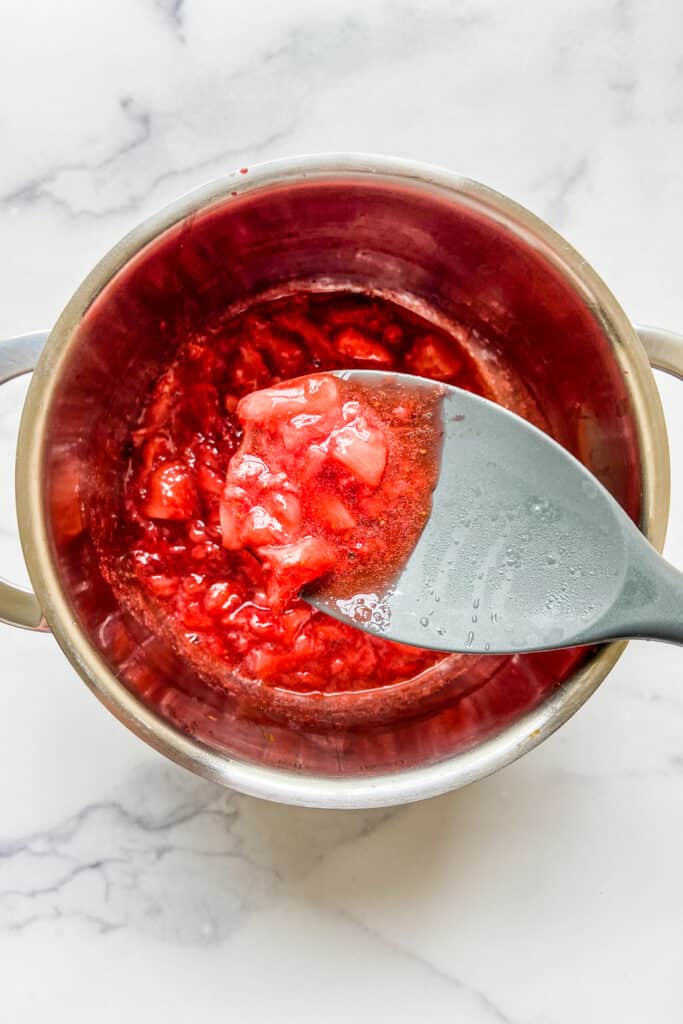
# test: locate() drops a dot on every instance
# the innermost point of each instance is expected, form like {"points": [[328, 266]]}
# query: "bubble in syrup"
{"points": [[475, 603], [424, 621], [543, 509], [470, 638], [513, 557]]}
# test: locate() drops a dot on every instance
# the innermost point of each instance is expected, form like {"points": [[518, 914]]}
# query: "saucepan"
{"points": [[547, 329]]}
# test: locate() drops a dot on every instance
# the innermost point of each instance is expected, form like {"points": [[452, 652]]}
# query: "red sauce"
{"points": [[214, 594], [333, 482]]}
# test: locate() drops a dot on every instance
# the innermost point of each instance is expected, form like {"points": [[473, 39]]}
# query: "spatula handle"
{"points": [[650, 605]]}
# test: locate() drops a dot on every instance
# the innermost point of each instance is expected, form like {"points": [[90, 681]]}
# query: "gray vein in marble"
{"points": [[623, 89], [481, 1002], [173, 12], [259, 105], [171, 856], [46, 188], [560, 187]]}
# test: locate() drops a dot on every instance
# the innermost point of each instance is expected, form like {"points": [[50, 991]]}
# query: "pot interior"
{"points": [[441, 253]]}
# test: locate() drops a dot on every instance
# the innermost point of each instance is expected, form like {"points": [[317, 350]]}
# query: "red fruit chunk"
{"points": [[221, 598], [432, 356], [233, 512], [286, 507], [260, 527], [286, 355], [171, 492], [361, 449], [209, 481], [352, 342], [249, 370], [163, 586], [312, 396], [333, 513], [292, 566]]}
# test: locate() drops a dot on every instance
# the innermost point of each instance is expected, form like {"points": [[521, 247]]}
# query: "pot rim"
{"points": [[274, 783]]}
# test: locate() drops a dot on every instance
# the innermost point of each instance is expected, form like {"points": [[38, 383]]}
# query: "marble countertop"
{"points": [[551, 892]]}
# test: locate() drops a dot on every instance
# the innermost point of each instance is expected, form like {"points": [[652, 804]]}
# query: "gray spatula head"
{"points": [[524, 549]]}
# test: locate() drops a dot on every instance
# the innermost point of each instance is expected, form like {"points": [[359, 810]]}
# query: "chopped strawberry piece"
{"points": [[333, 513], [163, 586], [295, 618], [310, 397], [171, 492], [246, 469], [286, 355], [312, 462], [303, 428], [233, 512], [209, 481], [222, 597], [249, 370], [318, 345], [432, 356], [260, 527], [159, 408], [361, 449], [157, 448], [353, 343], [393, 335], [286, 507], [294, 565]]}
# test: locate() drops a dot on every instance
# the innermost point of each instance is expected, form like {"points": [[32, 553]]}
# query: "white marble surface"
{"points": [[548, 894]]}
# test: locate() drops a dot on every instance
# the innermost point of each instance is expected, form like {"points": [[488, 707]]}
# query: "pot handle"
{"points": [[664, 349], [19, 607]]}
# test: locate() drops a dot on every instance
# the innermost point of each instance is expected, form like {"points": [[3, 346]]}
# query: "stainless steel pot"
{"points": [[414, 231]]}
